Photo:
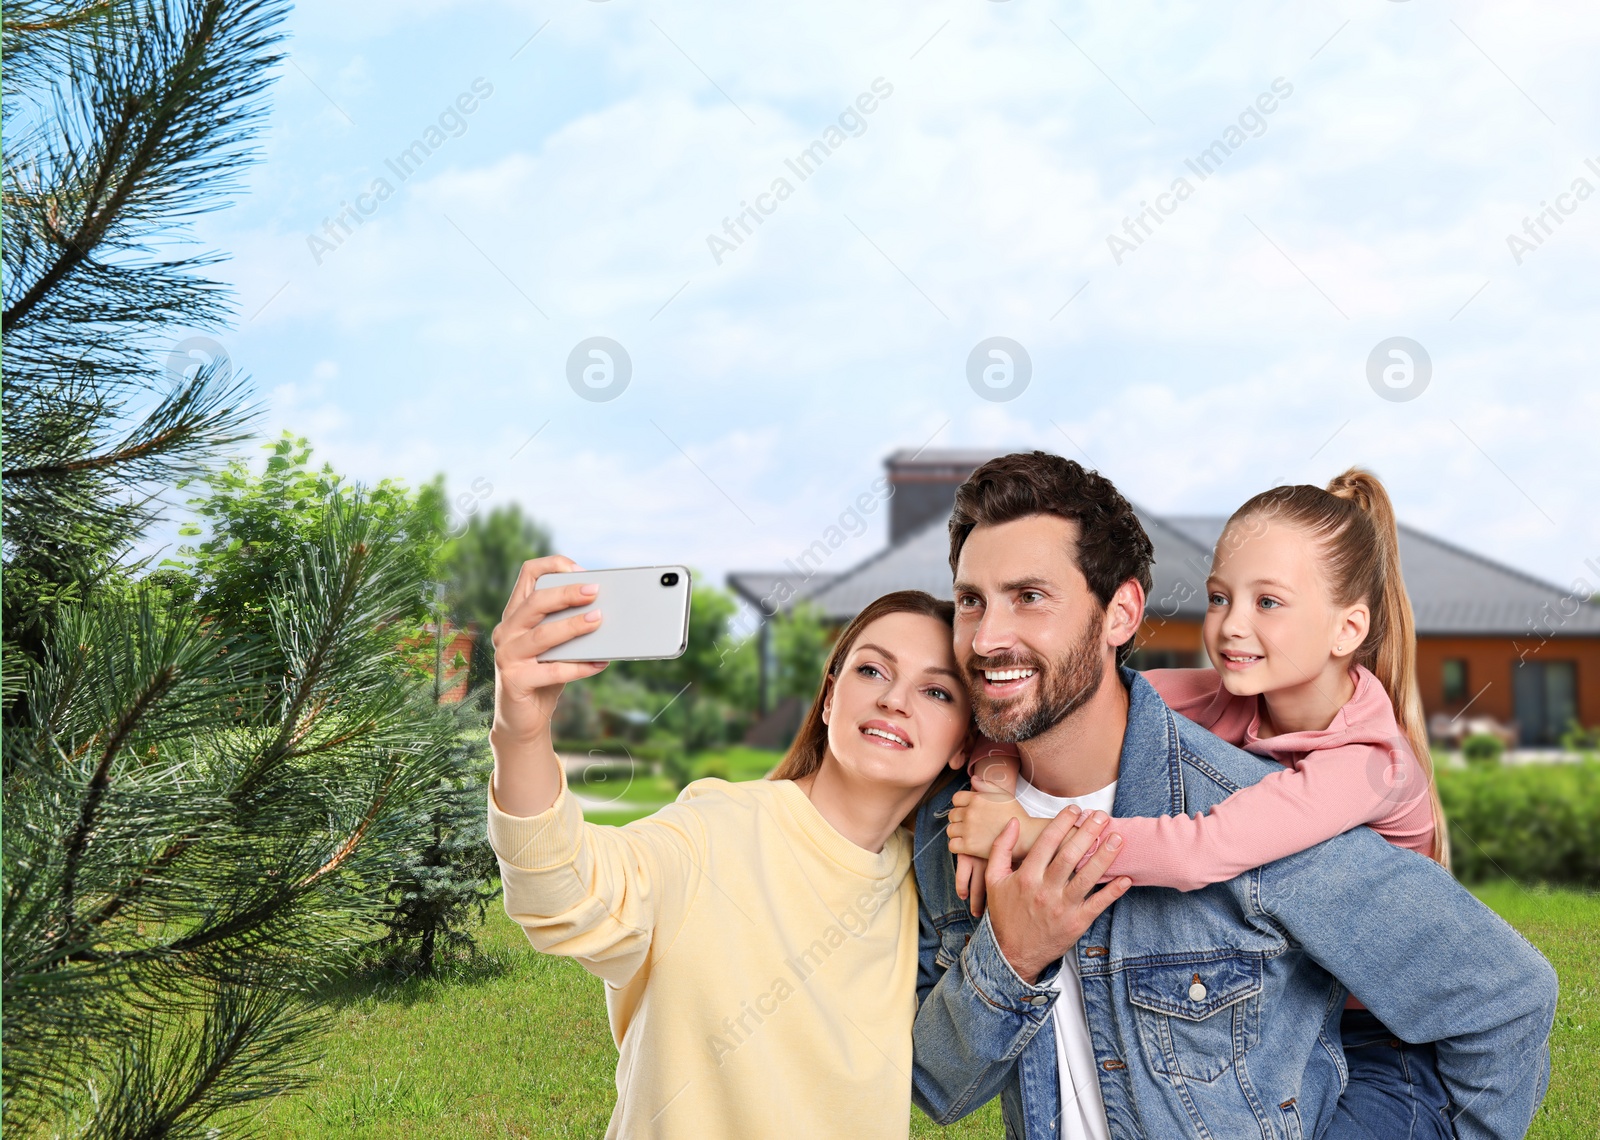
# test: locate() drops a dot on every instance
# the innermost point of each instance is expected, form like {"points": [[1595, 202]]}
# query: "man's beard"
{"points": [[1062, 687]]}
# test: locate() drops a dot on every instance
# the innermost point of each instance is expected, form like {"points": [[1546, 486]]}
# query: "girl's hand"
{"points": [[993, 766], [970, 872], [525, 688], [977, 819]]}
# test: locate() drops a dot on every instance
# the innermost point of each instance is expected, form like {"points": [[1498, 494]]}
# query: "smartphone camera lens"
{"points": [[669, 579]]}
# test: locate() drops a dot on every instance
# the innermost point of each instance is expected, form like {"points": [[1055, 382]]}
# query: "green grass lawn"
{"points": [[645, 790], [516, 1043], [1565, 925]]}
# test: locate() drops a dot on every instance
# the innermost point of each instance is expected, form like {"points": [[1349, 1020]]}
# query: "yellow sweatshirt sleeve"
{"points": [[601, 895]]}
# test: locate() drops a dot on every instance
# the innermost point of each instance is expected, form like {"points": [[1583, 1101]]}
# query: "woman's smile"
{"points": [[886, 734]]}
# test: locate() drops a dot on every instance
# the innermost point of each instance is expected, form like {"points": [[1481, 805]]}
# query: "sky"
{"points": [[1204, 227]]}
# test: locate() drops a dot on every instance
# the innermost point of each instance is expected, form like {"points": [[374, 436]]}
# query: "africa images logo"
{"points": [[1251, 123], [852, 123]]}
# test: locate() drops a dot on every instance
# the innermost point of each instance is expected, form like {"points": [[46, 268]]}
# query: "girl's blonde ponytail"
{"points": [[1391, 648]]}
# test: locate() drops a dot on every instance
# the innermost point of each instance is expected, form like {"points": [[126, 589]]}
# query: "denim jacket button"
{"points": [[1197, 992], [1037, 1000]]}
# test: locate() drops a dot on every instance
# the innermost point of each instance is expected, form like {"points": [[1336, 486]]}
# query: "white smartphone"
{"points": [[645, 608]]}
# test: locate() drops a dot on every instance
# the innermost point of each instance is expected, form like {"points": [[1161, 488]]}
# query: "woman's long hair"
{"points": [[811, 742], [1353, 522]]}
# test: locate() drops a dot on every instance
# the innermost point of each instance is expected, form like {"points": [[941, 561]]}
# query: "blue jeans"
{"points": [[1394, 1091]]}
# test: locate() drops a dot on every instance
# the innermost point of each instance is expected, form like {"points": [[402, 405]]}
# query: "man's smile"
{"points": [[1007, 682]]}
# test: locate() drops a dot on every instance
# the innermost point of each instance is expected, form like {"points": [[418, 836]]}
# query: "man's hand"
{"points": [[1040, 910]]}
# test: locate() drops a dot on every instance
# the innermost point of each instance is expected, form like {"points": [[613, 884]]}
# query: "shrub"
{"points": [[441, 877], [714, 768], [678, 768], [1481, 748], [1580, 739], [739, 763], [1534, 822]]}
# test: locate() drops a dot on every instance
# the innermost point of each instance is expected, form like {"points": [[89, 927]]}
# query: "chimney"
{"points": [[924, 486]]}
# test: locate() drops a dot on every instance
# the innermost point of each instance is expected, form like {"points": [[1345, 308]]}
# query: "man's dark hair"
{"points": [[1112, 543]]}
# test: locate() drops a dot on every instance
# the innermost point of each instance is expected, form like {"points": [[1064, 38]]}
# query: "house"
{"points": [[445, 658], [1492, 642]]}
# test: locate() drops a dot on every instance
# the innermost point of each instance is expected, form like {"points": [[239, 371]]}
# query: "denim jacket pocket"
{"points": [[1197, 1015]]}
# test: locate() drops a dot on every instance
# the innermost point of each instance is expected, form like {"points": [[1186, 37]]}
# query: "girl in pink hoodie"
{"points": [[1310, 632]]}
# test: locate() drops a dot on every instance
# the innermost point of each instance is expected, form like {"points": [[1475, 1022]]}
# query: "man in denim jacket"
{"points": [[1213, 1013]]}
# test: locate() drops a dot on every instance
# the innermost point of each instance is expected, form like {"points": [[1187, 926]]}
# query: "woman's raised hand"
{"points": [[525, 688]]}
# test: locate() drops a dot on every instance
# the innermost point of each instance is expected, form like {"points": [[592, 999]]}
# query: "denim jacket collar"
{"points": [[1149, 779]]}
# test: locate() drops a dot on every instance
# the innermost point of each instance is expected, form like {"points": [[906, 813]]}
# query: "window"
{"points": [[1455, 680], [1545, 694]]}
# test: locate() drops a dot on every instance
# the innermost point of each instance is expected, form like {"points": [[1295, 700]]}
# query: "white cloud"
{"points": [[975, 203]]}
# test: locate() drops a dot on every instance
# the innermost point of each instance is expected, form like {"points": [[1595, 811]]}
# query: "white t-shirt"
{"points": [[1083, 1113]]}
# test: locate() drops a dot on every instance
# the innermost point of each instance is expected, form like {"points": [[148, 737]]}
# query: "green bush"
{"points": [[1482, 748], [678, 768], [1580, 739], [714, 768], [739, 762], [441, 877], [1534, 822]]}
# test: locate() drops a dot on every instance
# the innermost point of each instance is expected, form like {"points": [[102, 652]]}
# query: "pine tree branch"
{"points": [[155, 445], [130, 892], [97, 220], [349, 845], [283, 745], [235, 1044], [64, 694], [333, 743], [159, 685], [93, 228], [64, 22]]}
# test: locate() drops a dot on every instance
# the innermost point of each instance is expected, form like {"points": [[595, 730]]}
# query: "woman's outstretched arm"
{"points": [[598, 894]]}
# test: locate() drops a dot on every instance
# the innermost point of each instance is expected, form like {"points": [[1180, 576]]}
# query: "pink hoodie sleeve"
{"points": [[1198, 694], [1326, 795]]}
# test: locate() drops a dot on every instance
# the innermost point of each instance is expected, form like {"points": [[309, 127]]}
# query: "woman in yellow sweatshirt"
{"points": [[758, 940]]}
